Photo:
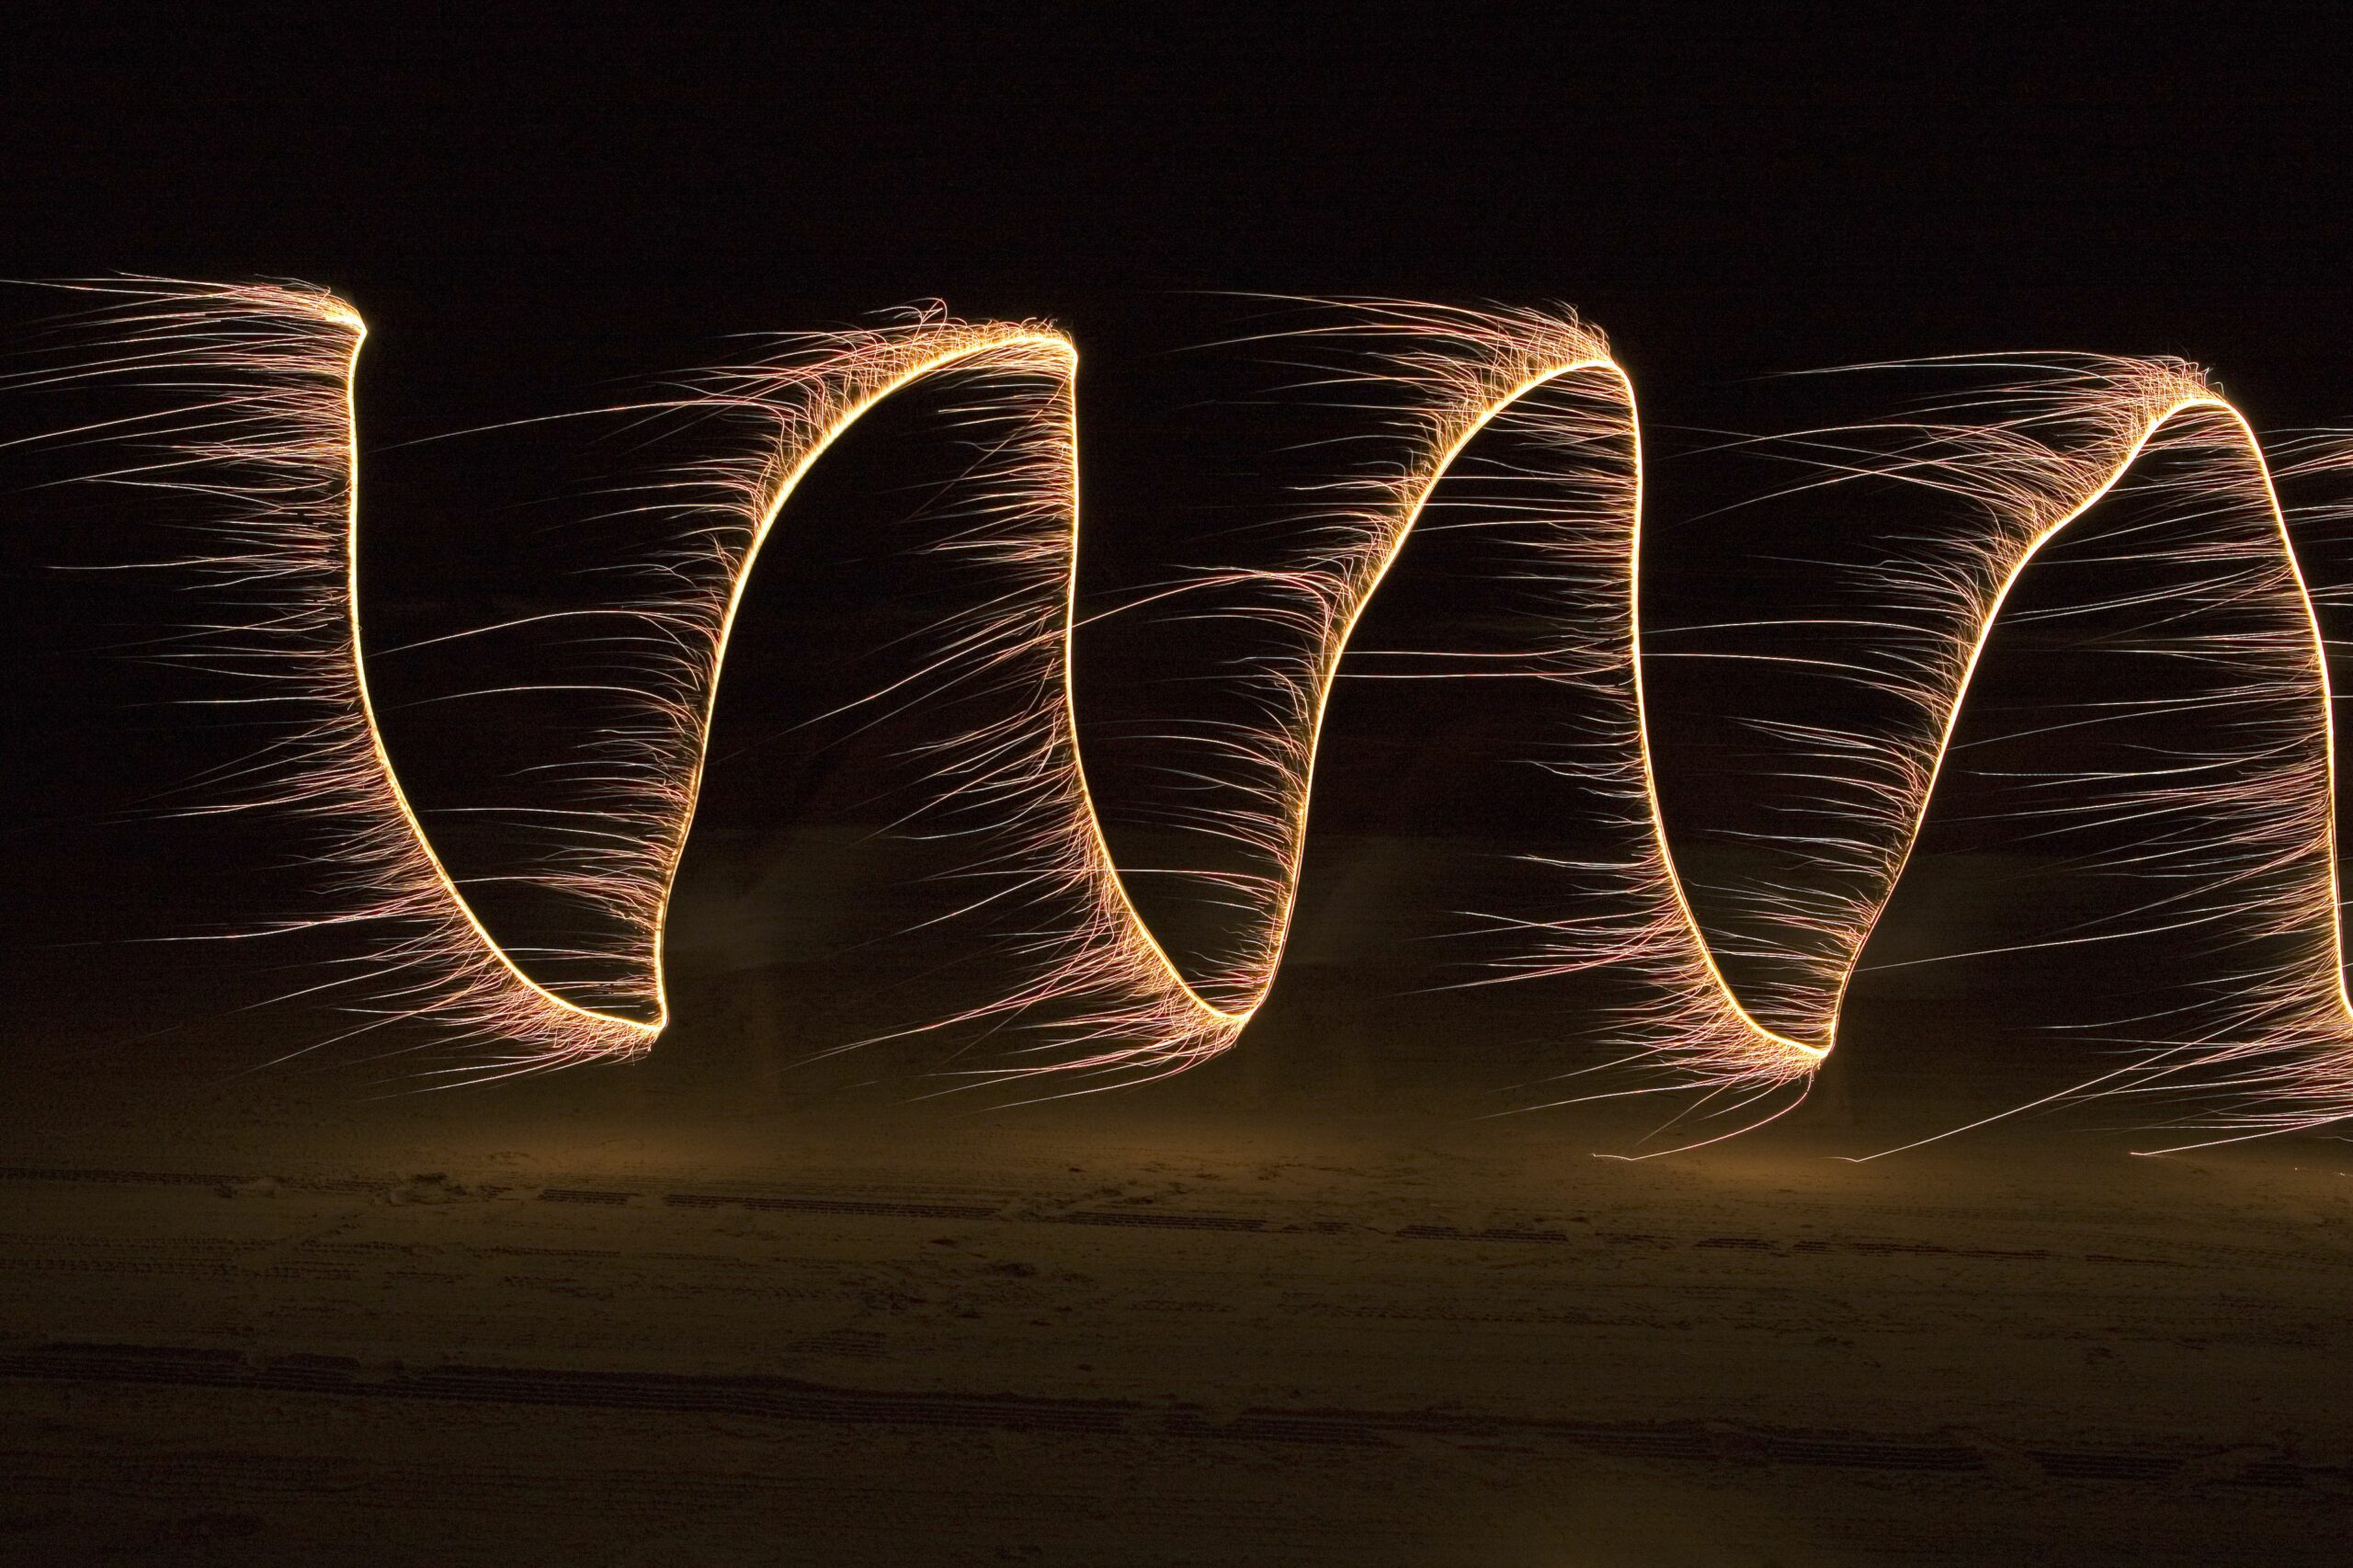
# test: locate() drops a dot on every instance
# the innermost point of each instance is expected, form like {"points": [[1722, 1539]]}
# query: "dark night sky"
{"points": [[1775, 193], [526, 210]]}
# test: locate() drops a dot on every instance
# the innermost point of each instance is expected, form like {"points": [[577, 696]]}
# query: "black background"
{"points": [[526, 209]]}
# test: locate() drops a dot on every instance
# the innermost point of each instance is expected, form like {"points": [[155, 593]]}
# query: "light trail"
{"points": [[263, 429]]}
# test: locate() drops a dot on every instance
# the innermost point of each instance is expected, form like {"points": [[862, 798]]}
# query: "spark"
{"points": [[263, 430]]}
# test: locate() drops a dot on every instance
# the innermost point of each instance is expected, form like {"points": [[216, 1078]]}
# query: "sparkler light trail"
{"points": [[263, 429]]}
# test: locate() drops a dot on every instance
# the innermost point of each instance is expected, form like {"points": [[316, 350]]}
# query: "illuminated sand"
{"points": [[649, 1316]]}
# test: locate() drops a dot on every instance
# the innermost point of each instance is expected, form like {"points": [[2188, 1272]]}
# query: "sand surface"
{"points": [[699, 1311]]}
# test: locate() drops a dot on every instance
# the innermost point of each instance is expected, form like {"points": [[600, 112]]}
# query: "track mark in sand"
{"points": [[1847, 1453], [585, 1195], [114, 1178], [1492, 1233], [879, 1207], [2113, 1466], [792, 1400], [1156, 1219], [2108, 1249]]}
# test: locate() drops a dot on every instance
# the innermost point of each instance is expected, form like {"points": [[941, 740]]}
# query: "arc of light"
{"points": [[1736, 1049], [2276, 516], [2335, 1101], [614, 1033], [422, 840], [473, 983], [635, 1034]]}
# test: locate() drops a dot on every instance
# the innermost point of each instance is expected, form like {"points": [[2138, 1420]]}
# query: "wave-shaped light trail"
{"points": [[265, 427]]}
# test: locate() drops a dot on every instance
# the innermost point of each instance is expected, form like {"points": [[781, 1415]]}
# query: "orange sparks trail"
{"points": [[267, 431]]}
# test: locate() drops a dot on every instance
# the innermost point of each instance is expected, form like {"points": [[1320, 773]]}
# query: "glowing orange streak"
{"points": [[1442, 462], [610, 1032], [1101, 845], [391, 776], [1438, 471], [987, 340], [1705, 949], [648, 1030], [2327, 727], [1505, 360]]}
